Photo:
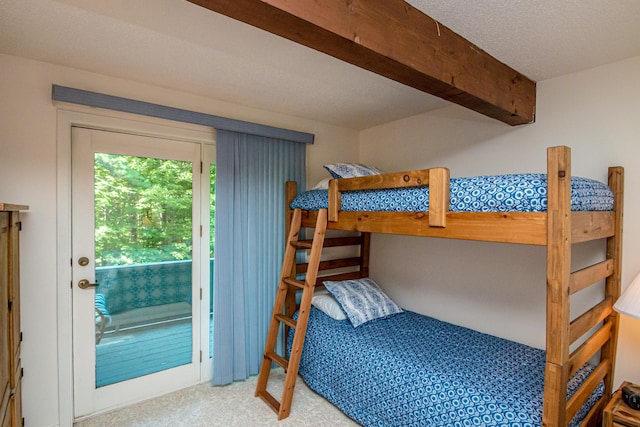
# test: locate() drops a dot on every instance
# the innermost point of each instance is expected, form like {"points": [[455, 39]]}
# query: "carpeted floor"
{"points": [[232, 405]]}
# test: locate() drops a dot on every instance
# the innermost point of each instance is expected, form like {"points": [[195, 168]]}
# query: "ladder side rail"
{"points": [[287, 265], [303, 315], [291, 191]]}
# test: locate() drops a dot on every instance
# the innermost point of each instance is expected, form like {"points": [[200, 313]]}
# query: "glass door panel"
{"points": [[143, 259], [135, 267]]}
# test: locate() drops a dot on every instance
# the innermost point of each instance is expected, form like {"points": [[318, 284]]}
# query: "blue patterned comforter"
{"points": [[498, 193], [413, 370]]}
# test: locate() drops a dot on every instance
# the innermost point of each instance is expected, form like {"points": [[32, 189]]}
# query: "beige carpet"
{"points": [[232, 405]]}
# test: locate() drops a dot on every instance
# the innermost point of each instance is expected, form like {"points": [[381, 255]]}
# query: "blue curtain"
{"points": [[250, 175]]}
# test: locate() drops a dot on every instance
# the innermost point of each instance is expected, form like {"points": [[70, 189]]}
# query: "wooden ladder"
{"points": [[287, 288]]}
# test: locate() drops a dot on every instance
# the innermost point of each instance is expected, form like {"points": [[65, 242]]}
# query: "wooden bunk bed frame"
{"points": [[558, 229]]}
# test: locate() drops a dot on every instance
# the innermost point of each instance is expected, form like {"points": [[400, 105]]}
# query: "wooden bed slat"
{"points": [[588, 276], [590, 319], [587, 226], [594, 416], [339, 277], [527, 228], [331, 264], [417, 178], [582, 394], [581, 355], [330, 242], [504, 227]]}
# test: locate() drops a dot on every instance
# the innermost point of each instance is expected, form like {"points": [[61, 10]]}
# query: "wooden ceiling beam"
{"points": [[395, 40]]}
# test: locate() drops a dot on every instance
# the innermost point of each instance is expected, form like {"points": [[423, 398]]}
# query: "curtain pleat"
{"points": [[250, 175]]}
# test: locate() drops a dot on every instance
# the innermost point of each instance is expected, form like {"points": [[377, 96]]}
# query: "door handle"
{"points": [[84, 284]]}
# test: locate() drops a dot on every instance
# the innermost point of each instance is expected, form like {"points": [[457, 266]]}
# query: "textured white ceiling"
{"points": [[175, 44], [544, 38]]}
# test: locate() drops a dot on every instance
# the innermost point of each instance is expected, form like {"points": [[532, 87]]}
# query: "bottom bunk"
{"points": [[413, 370]]}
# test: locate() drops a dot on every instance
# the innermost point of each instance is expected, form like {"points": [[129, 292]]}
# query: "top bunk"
{"points": [[429, 203]]}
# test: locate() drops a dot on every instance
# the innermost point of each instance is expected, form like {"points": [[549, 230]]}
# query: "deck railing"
{"points": [[151, 290]]}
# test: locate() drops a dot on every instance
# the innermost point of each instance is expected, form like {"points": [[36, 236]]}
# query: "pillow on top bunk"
{"points": [[362, 300], [351, 170], [326, 303]]}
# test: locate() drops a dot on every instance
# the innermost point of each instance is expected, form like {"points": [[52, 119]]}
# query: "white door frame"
{"points": [[121, 122]]}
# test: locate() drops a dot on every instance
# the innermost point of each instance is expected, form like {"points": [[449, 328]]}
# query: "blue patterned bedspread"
{"points": [[413, 370], [499, 193]]}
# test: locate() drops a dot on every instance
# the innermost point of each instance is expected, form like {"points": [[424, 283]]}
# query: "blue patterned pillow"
{"points": [[362, 300], [351, 170]]}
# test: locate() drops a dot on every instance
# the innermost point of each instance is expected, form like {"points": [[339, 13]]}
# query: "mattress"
{"points": [[491, 193], [414, 370]]}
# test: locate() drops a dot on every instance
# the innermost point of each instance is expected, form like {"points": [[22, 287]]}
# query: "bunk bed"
{"points": [[576, 367]]}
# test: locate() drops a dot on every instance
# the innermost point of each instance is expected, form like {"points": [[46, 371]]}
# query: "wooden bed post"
{"points": [[558, 278], [439, 188], [335, 200], [291, 191], [612, 288]]}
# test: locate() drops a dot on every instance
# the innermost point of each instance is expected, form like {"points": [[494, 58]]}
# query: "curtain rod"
{"points": [[116, 103]]}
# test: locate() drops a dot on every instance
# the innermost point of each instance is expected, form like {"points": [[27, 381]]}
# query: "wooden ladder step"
{"points": [[269, 400], [293, 282], [284, 363], [302, 244], [286, 320]]}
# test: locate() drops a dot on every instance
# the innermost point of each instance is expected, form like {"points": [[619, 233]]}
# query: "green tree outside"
{"points": [[143, 210]]}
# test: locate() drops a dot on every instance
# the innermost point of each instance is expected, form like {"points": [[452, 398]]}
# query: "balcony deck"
{"points": [[132, 353], [149, 328]]}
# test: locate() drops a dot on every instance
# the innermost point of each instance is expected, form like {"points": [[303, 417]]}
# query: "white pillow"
{"points": [[328, 305], [322, 185], [362, 300], [351, 170]]}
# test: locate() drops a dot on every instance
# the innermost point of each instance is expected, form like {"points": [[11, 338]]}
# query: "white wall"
{"points": [[495, 287], [595, 112], [28, 176]]}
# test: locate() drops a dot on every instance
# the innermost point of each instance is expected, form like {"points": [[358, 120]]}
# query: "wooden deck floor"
{"points": [[130, 354]]}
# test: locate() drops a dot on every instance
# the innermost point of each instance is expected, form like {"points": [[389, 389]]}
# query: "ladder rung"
{"points": [[302, 244], [293, 282], [286, 320], [284, 363], [270, 400]]}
